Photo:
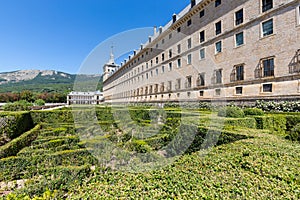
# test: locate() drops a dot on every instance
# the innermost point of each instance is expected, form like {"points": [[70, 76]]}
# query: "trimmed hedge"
{"points": [[234, 112], [53, 116], [253, 111], [13, 124], [274, 123], [242, 122], [13, 147]]}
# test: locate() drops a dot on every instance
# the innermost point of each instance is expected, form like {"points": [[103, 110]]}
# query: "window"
{"points": [[267, 5], [178, 48], [239, 70], [156, 60], [202, 54], [267, 87], [217, 3], [189, 43], [268, 67], [179, 63], [178, 29], [163, 41], [163, 57], [163, 69], [147, 76], [239, 39], [178, 84], [156, 71], [170, 53], [218, 74], [267, 27], [169, 85], [219, 47], [189, 22], [202, 13], [201, 93], [188, 83], [189, 59], [298, 14], [239, 90], [217, 92], [218, 27], [239, 17], [188, 94], [201, 79], [202, 36], [146, 66], [151, 73], [170, 67], [170, 35]]}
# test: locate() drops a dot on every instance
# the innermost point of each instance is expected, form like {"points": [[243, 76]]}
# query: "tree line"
{"points": [[30, 96]]}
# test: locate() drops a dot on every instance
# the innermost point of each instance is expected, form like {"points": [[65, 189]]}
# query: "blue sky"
{"points": [[60, 34]]}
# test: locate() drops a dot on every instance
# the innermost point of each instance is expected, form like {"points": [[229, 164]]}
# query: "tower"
{"points": [[110, 67]]}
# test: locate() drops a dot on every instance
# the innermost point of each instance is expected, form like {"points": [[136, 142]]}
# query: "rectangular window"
{"points": [[239, 90], [268, 67], [239, 39], [218, 76], [217, 3], [217, 92], [170, 53], [189, 59], [239, 17], [156, 71], [156, 60], [267, 27], [202, 13], [163, 69], [218, 27], [267, 87], [169, 86], [188, 83], [178, 48], [219, 47], [179, 63], [202, 36], [201, 93], [201, 79], [170, 67], [178, 84], [163, 57], [170, 35], [239, 72], [267, 5], [179, 29], [202, 54], [189, 43], [189, 22]]}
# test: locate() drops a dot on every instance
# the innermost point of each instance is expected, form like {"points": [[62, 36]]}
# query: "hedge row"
{"points": [[13, 124], [13, 147]]}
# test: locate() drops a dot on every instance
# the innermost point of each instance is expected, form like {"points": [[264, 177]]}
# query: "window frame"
{"points": [[236, 39], [189, 59], [216, 49], [202, 39], [262, 28], [237, 21], [264, 7], [202, 13], [200, 54], [265, 85], [218, 3], [271, 69], [218, 30]]}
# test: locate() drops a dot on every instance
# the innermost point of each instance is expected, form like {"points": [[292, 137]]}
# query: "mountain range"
{"points": [[47, 81]]}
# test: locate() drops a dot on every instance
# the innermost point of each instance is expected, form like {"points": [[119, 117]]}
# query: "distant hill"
{"points": [[46, 81]]}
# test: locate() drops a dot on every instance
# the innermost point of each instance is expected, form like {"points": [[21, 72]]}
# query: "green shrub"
{"points": [[282, 106], [274, 123], [13, 147], [17, 106], [294, 134], [242, 122], [232, 111], [253, 111], [292, 121], [39, 102], [13, 125]]}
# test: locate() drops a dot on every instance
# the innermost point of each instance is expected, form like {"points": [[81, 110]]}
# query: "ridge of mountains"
{"points": [[47, 81]]}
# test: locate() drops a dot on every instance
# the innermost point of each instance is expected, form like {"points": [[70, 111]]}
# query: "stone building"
{"points": [[216, 50], [88, 98]]}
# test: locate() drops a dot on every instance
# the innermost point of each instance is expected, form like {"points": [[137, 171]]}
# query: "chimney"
{"points": [[174, 18], [193, 3], [160, 29], [154, 30]]}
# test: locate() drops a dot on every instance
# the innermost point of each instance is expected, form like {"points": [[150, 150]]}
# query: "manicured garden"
{"points": [[107, 153]]}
